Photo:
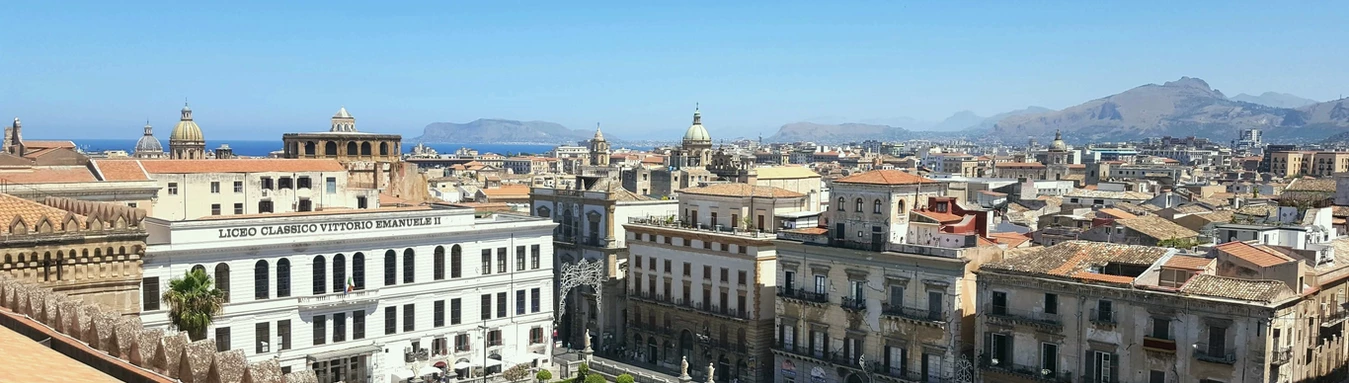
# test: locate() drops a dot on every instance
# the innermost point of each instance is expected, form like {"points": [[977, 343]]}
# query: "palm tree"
{"points": [[193, 303]]}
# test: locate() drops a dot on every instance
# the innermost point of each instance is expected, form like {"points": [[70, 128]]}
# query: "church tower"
{"points": [[696, 149], [599, 149], [343, 121], [186, 141], [14, 139]]}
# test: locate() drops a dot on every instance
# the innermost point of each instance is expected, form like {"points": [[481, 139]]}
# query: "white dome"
{"points": [[697, 133]]}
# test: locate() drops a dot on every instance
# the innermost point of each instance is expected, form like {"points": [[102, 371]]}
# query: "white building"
{"points": [[350, 294]]}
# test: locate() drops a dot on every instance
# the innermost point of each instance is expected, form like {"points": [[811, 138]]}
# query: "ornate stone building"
{"points": [[599, 149], [373, 160], [86, 250], [148, 146], [187, 142], [696, 149]]}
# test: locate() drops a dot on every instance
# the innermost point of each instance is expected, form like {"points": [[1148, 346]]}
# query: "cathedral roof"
{"points": [[696, 132], [186, 130], [148, 143]]}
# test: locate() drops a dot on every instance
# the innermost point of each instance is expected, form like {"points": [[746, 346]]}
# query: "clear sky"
{"points": [[256, 69]]}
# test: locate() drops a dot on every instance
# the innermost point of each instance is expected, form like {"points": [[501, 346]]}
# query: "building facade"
{"points": [[186, 142]]}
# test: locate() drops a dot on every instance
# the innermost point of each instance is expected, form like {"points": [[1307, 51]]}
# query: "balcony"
{"points": [[1159, 344], [908, 375], [1281, 356], [854, 304], [1008, 315], [995, 366], [803, 295], [1203, 353], [1335, 318], [358, 297], [1103, 318], [648, 296], [668, 222], [804, 351], [700, 306], [920, 315]]}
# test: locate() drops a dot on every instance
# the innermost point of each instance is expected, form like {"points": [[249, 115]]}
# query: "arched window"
{"points": [[195, 268], [260, 280], [390, 268], [858, 208], [841, 202], [901, 207], [876, 207], [384, 148], [351, 149], [339, 273], [310, 149], [365, 148], [330, 148], [222, 279], [46, 266], [320, 276], [358, 271], [438, 264], [408, 263], [282, 278], [456, 261]]}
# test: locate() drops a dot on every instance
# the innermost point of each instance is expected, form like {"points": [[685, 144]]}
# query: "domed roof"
{"points": [[186, 130], [1058, 143], [696, 132], [599, 136], [342, 113], [148, 143]]}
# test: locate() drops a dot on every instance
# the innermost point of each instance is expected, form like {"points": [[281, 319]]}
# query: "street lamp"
{"points": [[483, 327]]}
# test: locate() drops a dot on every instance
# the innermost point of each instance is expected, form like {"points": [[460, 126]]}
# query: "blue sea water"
{"points": [[262, 148]]}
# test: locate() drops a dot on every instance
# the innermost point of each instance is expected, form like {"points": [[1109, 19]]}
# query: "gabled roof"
{"points": [[1235, 288], [1117, 213], [120, 170], [43, 144], [1068, 258], [31, 213], [1258, 256], [47, 174], [1157, 227], [885, 177], [741, 190], [1009, 238], [1188, 262]]}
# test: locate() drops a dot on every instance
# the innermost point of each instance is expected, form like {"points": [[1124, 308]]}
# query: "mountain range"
{"points": [[503, 131], [1275, 99]]}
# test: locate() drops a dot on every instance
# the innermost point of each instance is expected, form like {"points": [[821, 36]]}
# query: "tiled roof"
{"points": [[31, 213], [938, 216], [1117, 213], [1009, 238], [1188, 262], [1123, 195], [1235, 288], [809, 230], [1191, 209], [26, 360], [886, 177], [1107, 278], [1255, 255], [1136, 209], [1339, 211], [120, 170], [1068, 258], [47, 174], [1220, 216], [507, 191], [741, 190], [268, 165], [1019, 165], [49, 144], [1157, 227], [1310, 184], [780, 172]]}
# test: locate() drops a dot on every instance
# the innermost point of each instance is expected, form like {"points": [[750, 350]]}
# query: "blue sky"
{"points": [[253, 70]]}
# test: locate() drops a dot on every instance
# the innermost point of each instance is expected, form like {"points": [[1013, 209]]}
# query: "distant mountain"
{"points": [[1185, 107], [836, 133], [1277, 100], [988, 123], [503, 131], [959, 121]]}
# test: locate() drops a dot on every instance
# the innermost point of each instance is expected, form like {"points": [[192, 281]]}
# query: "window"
{"points": [[486, 261], [282, 278], [1161, 328], [461, 343], [1049, 358], [858, 206], [262, 334], [1102, 366], [876, 207], [358, 271], [1155, 376], [707, 272], [1105, 311], [358, 325], [534, 300], [305, 205], [390, 320], [339, 327], [456, 261], [320, 330], [362, 202], [390, 268], [215, 187], [150, 293], [789, 280], [536, 335], [519, 302], [215, 209], [173, 188], [409, 260], [534, 255], [330, 185], [409, 319], [740, 277], [222, 339], [283, 331], [320, 276], [303, 183], [438, 263], [284, 183], [725, 275], [519, 258], [501, 259], [265, 207], [238, 208], [819, 284], [438, 317], [455, 311], [501, 305], [688, 269], [494, 338], [339, 273], [1051, 303], [667, 266], [841, 202], [260, 280], [1217, 341], [238, 186], [267, 183], [999, 348], [486, 306], [999, 303]]}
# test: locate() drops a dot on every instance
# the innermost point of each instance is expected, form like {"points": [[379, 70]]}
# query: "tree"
{"points": [[624, 378], [193, 303], [517, 373], [595, 378], [543, 376], [582, 370]]}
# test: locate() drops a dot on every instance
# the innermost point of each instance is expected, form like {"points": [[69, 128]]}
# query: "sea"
{"points": [[263, 148]]}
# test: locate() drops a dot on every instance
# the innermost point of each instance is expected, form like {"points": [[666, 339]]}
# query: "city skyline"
{"points": [[99, 71]]}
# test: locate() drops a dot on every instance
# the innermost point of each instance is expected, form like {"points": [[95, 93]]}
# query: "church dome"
{"points": [[696, 132], [1058, 143], [148, 143], [186, 130]]}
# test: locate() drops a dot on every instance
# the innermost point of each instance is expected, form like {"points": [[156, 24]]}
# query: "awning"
{"points": [[402, 373], [428, 370], [464, 364], [440, 364], [346, 352]]}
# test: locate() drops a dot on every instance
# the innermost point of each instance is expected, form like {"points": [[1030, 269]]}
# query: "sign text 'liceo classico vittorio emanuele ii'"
{"points": [[322, 228]]}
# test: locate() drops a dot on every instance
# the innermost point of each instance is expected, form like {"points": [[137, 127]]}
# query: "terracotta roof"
{"points": [[1235, 288], [1255, 255], [809, 230], [1117, 213], [1009, 238], [1339, 211], [49, 144], [47, 174], [1157, 227], [1191, 209], [741, 190], [938, 216], [780, 172], [268, 165], [1019, 165], [885, 177], [1188, 262], [1220, 216], [1309, 184], [1108, 278], [31, 213], [120, 170], [507, 191], [386, 199], [1068, 258], [27, 360]]}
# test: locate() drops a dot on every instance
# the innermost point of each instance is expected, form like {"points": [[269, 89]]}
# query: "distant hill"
{"points": [[1185, 107], [503, 131], [1274, 99], [988, 123], [835, 133], [959, 121]]}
